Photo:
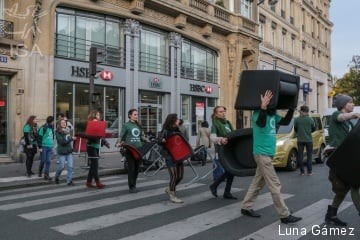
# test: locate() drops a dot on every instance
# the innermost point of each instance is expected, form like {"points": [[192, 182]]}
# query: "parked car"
{"points": [[326, 120], [286, 144]]}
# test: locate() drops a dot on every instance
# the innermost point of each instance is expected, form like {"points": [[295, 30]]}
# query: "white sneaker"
{"points": [[175, 199]]}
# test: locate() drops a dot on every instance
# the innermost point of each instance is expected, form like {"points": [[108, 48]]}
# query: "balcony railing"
{"points": [[77, 48], [6, 29], [200, 5], [154, 63], [222, 14], [198, 72]]}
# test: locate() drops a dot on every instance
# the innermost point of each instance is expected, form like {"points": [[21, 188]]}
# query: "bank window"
{"points": [[185, 108], [64, 100], [198, 62], [65, 40], [77, 31], [91, 31], [153, 54]]}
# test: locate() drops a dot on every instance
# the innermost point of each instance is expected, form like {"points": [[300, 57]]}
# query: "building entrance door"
{"points": [[4, 110], [150, 112]]}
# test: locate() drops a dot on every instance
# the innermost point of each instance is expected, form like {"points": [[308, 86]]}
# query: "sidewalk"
{"points": [[13, 175]]}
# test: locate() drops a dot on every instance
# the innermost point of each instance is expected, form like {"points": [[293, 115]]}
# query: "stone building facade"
{"points": [[163, 56]]}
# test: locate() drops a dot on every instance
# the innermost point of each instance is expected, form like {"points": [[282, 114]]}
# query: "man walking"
{"points": [[264, 137], [304, 126]]}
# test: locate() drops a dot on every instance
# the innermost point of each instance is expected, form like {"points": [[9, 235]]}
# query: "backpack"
{"points": [[39, 136]]}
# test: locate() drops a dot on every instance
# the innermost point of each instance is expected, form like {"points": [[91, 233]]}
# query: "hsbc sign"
{"points": [[106, 75], [200, 88]]}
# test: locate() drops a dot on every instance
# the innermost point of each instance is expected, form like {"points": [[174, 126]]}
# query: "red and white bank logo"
{"points": [[208, 89], [106, 75]]}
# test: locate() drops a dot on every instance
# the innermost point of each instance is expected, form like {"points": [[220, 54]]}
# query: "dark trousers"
{"points": [[93, 155], [229, 180], [133, 170], [309, 153], [30, 153]]}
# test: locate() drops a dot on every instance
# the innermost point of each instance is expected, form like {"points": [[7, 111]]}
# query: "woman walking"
{"points": [[175, 169], [93, 146], [30, 148], [132, 134], [64, 151]]}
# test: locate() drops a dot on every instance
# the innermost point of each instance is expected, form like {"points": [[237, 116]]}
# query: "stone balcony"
{"points": [[203, 13]]}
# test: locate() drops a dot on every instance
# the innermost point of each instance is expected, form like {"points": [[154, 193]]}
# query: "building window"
{"points": [[1, 9], [292, 12], [273, 38], [77, 31], [73, 100], [261, 31], [283, 42], [245, 8], [198, 62], [153, 52], [293, 45]]}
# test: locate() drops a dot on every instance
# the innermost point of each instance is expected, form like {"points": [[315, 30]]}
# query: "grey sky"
{"points": [[345, 39]]}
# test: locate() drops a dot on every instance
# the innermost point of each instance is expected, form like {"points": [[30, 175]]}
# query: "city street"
{"points": [[61, 212]]}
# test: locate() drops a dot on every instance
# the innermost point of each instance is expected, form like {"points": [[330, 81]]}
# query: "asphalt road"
{"points": [[62, 212]]}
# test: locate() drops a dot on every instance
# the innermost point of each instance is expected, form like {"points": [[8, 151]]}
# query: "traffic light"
{"points": [[96, 57]]}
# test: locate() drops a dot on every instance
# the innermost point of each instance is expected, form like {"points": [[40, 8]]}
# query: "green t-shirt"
{"points": [[304, 125], [131, 134], [31, 134], [265, 138], [338, 130], [47, 136]]}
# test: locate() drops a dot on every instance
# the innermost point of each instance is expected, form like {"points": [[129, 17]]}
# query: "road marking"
{"points": [[32, 188], [312, 215], [95, 204], [201, 222], [57, 190], [24, 178], [73, 196], [91, 224]]}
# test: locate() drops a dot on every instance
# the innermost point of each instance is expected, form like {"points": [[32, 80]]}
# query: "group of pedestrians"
{"points": [[264, 122]]}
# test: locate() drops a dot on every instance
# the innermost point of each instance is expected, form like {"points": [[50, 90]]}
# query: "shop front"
{"points": [[72, 96]]}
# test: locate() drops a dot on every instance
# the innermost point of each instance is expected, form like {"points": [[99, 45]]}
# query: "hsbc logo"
{"points": [[106, 75], [200, 88]]}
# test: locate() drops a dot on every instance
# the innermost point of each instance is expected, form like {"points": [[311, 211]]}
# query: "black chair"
{"points": [[344, 161], [285, 88], [236, 156]]}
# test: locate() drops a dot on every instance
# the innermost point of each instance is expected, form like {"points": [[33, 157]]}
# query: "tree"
{"points": [[350, 84]]}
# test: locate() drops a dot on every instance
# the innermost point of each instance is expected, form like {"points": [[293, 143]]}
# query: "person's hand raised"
{"points": [[265, 99]]}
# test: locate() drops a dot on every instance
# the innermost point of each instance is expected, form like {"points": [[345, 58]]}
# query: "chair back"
{"points": [[178, 148]]}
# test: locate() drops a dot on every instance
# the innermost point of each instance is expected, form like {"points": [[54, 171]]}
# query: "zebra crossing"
{"points": [[111, 212]]}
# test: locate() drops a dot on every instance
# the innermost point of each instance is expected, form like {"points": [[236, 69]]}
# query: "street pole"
{"points": [[91, 92]]}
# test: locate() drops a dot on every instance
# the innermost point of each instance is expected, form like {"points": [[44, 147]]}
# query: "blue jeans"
{"points": [[70, 165], [309, 153], [46, 155]]}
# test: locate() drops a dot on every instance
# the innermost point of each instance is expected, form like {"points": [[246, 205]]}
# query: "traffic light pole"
{"points": [[96, 57], [91, 92]]}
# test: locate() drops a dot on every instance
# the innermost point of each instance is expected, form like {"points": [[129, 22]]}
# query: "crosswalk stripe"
{"points": [[32, 188], [312, 215], [22, 178], [100, 222], [201, 222], [95, 204], [55, 190], [73, 196]]}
